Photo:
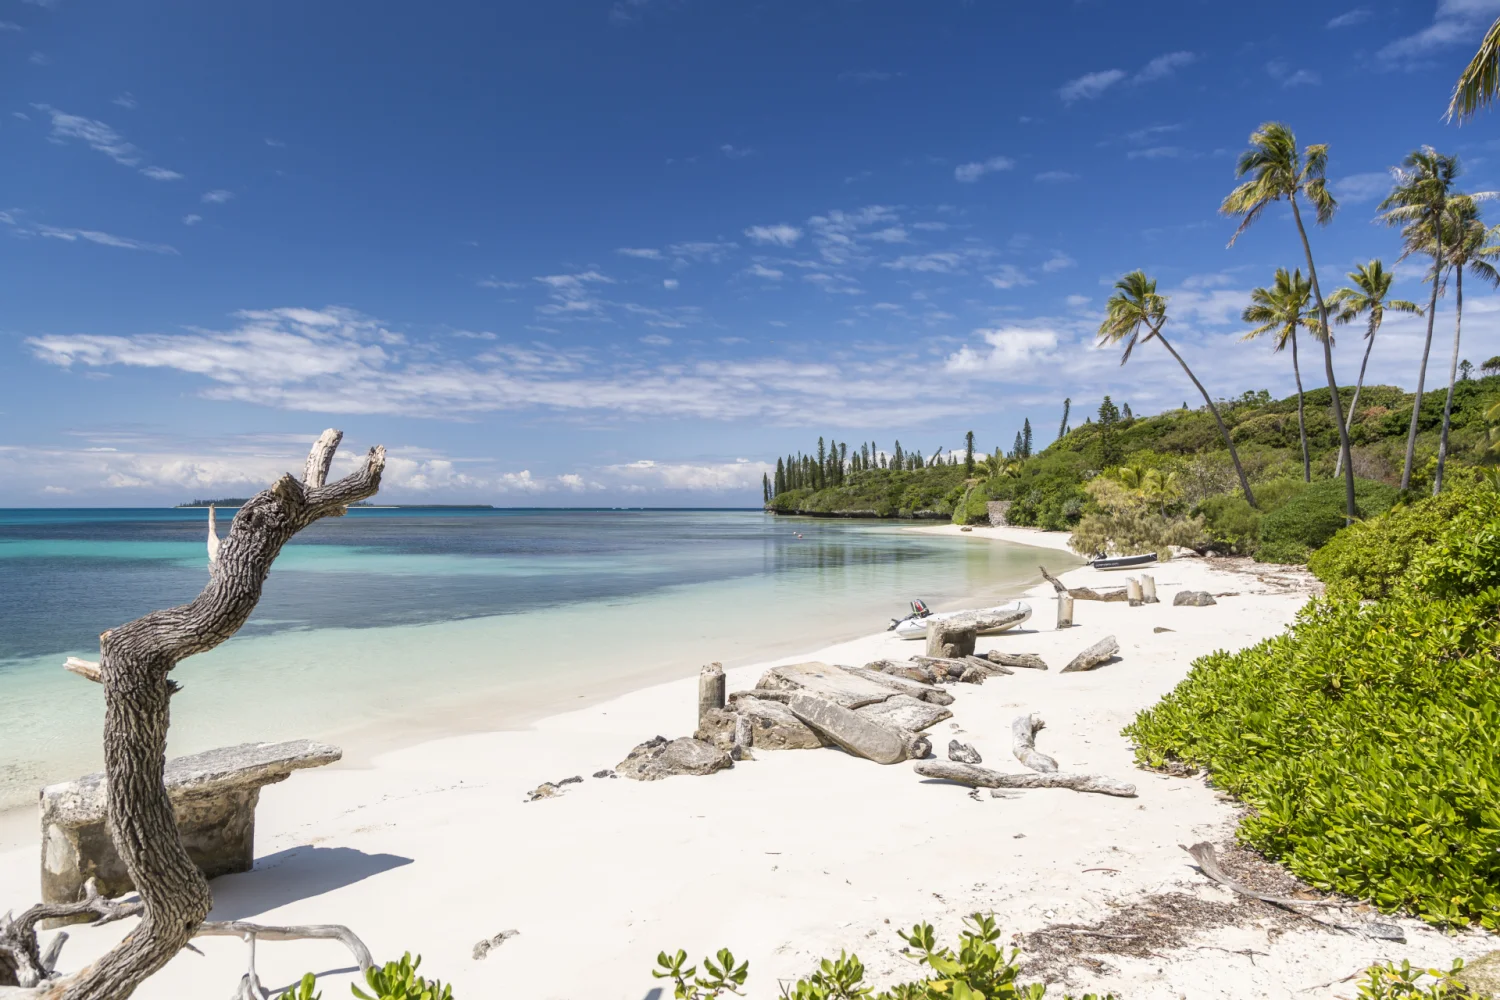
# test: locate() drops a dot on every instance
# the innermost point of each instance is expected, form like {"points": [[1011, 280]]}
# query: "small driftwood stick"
{"points": [[1023, 744], [263, 932], [1064, 611], [1084, 593], [1096, 655], [980, 777], [87, 669], [1208, 863], [1028, 660]]}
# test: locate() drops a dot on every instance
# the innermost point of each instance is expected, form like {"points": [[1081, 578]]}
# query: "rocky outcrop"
{"points": [[659, 758], [861, 736]]}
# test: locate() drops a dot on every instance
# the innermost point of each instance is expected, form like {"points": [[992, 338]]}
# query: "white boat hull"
{"points": [[916, 628]]}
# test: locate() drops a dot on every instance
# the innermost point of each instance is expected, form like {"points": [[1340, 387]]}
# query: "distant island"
{"points": [[241, 501]]}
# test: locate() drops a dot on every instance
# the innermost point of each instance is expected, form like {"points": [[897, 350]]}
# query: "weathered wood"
{"points": [[900, 685], [954, 637], [1030, 661], [908, 669], [1095, 656], [710, 690], [87, 669], [1023, 743], [1133, 592], [861, 736], [843, 687], [943, 666], [135, 666], [1084, 593], [906, 712], [987, 665], [744, 731], [980, 777], [22, 961], [1148, 589], [963, 753], [1064, 611], [1208, 863]]}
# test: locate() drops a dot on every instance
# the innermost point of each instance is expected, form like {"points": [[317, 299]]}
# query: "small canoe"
{"points": [[916, 628], [1124, 562]]}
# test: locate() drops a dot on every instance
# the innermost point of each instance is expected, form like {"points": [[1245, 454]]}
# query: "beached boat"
{"points": [[1124, 562], [916, 628]]}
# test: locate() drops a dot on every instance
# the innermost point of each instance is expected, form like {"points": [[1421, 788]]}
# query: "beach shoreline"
{"points": [[791, 856]]}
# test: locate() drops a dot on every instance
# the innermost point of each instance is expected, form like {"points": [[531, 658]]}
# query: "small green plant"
{"points": [[723, 976], [303, 990], [1387, 982], [399, 981]]}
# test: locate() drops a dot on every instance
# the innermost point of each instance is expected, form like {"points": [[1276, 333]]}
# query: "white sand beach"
{"points": [[793, 855]]}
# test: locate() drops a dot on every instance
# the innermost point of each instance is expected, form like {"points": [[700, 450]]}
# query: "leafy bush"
{"points": [[1366, 739], [303, 990], [1388, 982], [981, 969], [1292, 531], [1131, 518], [399, 981], [1366, 559], [1231, 524]]}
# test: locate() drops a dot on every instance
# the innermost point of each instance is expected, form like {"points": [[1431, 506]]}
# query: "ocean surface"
{"points": [[394, 624]]}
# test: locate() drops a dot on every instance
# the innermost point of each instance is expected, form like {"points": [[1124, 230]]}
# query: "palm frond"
{"points": [[1479, 83]]}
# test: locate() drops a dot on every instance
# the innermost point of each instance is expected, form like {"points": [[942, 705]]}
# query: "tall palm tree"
{"points": [[1424, 183], [1276, 170], [1468, 244], [1479, 83], [1366, 297], [1280, 310], [1136, 307]]}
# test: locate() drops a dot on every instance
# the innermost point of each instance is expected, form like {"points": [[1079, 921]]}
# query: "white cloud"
{"points": [[1090, 85], [103, 239], [1078, 301], [1009, 276], [126, 100], [1455, 22], [9, 26], [1357, 188], [191, 219], [1282, 73], [494, 282], [1055, 177], [570, 294], [40, 59], [1059, 261], [1155, 153], [96, 134], [780, 234], [761, 271], [669, 283], [711, 251], [1008, 350], [1350, 18], [1164, 66], [656, 340], [641, 253], [715, 477], [736, 152], [217, 197], [968, 173], [161, 174]]}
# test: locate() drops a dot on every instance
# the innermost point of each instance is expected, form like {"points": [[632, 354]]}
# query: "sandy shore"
{"points": [[793, 855]]}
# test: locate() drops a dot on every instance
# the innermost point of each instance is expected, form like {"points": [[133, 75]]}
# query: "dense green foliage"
{"points": [[303, 990], [980, 969], [1366, 739], [399, 981], [1311, 517]]}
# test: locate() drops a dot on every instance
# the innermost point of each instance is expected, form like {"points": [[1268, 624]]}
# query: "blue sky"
{"points": [[595, 252]]}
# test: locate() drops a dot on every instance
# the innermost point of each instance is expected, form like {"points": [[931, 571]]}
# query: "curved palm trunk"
{"points": [[1358, 385], [1301, 418], [1350, 510], [1416, 403], [1233, 455], [1458, 322]]}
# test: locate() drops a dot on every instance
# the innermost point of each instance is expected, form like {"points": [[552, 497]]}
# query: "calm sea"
{"points": [[433, 621]]}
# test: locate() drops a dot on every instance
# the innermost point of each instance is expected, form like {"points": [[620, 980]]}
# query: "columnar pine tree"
{"points": [[780, 477], [969, 453], [1026, 438], [1109, 416], [1062, 428]]}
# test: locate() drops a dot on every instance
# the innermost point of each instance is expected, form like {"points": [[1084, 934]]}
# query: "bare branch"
{"points": [[87, 669], [21, 957], [213, 540], [1023, 743], [320, 458], [325, 932]]}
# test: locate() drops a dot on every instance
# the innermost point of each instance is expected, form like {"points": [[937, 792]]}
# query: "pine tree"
{"points": [[780, 477], [969, 453], [1026, 439], [1128, 415], [897, 460], [1062, 428], [765, 487], [843, 460], [821, 467], [1465, 370], [1109, 416], [1015, 449]]}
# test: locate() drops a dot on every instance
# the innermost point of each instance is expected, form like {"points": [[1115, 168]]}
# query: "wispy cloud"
{"points": [[39, 59], [275, 143], [780, 234], [1055, 176], [1164, 66], [9, 26], [642, 253], [1155, 153], [191, 220], [761, 271], [126, 100], [1009, 276], [736, 152], [968, 173], [1059, 261], [1350, 18], [1357, 188], [1280, 71], [103, 239], [1455, 22], [161, 174], [99, 136], [1090, 85], [218, 196], [494, 282]]}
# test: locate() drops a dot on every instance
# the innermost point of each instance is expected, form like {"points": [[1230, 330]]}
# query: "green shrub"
{"points": [[1366, 739], [1291, 532], [399, 981], [1366, 559], [1390, 982], [1231, 524], [303, 990], [981, 969]]}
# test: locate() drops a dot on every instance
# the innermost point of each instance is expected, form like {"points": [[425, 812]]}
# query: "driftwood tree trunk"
{"points": [[136, 661]]}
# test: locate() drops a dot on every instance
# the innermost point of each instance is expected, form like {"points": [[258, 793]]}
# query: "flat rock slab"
{"points": [[861, 736], [1028, 660], [774, 727], [1193, 599], [659, 758], [905, 712], [844, 688], [1096, 655], [901, 685]]}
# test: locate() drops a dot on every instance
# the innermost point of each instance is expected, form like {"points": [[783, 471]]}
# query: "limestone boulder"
{"points": [[844, 688], [861, 736], [1193, 599], [906, 712], [659, 758]]}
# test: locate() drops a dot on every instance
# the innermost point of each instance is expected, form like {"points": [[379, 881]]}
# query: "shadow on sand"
{"points": [[293, 874]]}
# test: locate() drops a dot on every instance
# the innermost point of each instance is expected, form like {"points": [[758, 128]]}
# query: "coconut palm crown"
{"points": [[1281, 310], [1479, 83]]}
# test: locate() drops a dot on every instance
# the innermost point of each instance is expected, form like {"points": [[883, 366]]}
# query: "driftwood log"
{"points": [[136, 661], [1084, 593], [1023, 743], [1208, 863], [1096, 655], [980, 777], [1028, 660]]}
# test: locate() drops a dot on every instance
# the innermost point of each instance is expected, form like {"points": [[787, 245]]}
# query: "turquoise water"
{"points": [[388, 625]]}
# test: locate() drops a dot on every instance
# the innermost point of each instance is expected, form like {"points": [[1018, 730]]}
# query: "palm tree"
{"points": [[1281, 309], [1424, 183], [1367, 297], [1479, 83], [1135, 307], [1468, 245], [1276, 171]]}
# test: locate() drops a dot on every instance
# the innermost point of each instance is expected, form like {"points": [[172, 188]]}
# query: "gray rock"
{"points": [[774, 727], [659, 758], [546, 790], [1096, 655], [908, 669], [892, 683], [606, 773], [842, 687], [1193, 599], [577, 779], [857, 734], [973, 675], [906, 712], [964, 753], [214, 795], [1028, 660], [918, 745]]}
